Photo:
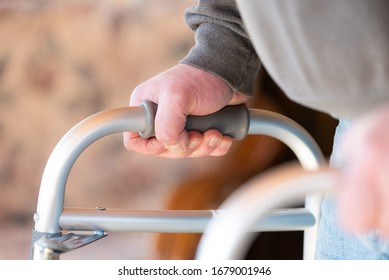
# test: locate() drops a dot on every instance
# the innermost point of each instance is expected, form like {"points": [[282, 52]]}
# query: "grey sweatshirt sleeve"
{"points": [[222, 46]]}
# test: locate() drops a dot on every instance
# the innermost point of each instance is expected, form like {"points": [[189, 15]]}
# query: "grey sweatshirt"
{"points": [[329, 55]]}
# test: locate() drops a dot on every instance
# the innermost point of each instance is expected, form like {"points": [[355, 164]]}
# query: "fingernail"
{"points": [[193, 144], [176, 149], [226, 145], [213, 142]]}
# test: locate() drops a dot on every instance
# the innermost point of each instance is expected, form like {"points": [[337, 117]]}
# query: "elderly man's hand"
{"points": [[181, 91]]}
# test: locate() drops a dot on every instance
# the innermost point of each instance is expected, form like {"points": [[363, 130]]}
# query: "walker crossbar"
{"points": [[174, 221], [50, 206]]}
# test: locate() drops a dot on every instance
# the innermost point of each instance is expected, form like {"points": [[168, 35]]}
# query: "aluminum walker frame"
{"points": [[252, 202]]}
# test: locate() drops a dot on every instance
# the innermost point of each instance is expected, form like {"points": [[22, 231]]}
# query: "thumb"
{"points": [[170, 127]]}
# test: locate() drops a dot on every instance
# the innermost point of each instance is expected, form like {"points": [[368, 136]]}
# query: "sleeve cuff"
{"points": [[221, 52]]}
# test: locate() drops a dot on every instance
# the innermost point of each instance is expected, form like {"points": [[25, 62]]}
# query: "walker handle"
{"points": [[231, 120], [136, 119]]}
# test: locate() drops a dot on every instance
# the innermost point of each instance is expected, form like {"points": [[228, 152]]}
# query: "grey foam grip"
{"points": [[233, 121]]}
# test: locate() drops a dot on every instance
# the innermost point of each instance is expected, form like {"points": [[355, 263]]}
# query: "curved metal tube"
{"points": [[306, 150], [251, 202], [64, 155], [52, 189], [290, 133]]}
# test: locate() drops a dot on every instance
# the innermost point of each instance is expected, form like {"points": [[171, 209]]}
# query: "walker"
{"points": [[254, 207]]}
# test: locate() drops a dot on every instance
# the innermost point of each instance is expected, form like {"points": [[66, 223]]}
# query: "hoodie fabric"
{"points": [[330, 55]]}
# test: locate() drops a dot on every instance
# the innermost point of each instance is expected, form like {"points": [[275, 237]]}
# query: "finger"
{"points": [[223, 147], [195, 141], [213, 143], [133, 142], [170, 123]]}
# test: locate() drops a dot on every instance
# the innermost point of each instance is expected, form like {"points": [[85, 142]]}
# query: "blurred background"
{"points": [[62, 61]]}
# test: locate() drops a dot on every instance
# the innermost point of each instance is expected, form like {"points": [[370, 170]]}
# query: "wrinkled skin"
{"points": [[181, 91]]}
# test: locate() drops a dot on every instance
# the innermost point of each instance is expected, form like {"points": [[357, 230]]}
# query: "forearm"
{"points": [[222, 47]]}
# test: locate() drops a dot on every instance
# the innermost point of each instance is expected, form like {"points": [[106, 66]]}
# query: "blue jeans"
{"points": [[335, 244]]}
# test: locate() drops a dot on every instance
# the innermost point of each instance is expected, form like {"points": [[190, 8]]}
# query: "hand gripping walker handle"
{"points": [[50, 204], [231, 120]]}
